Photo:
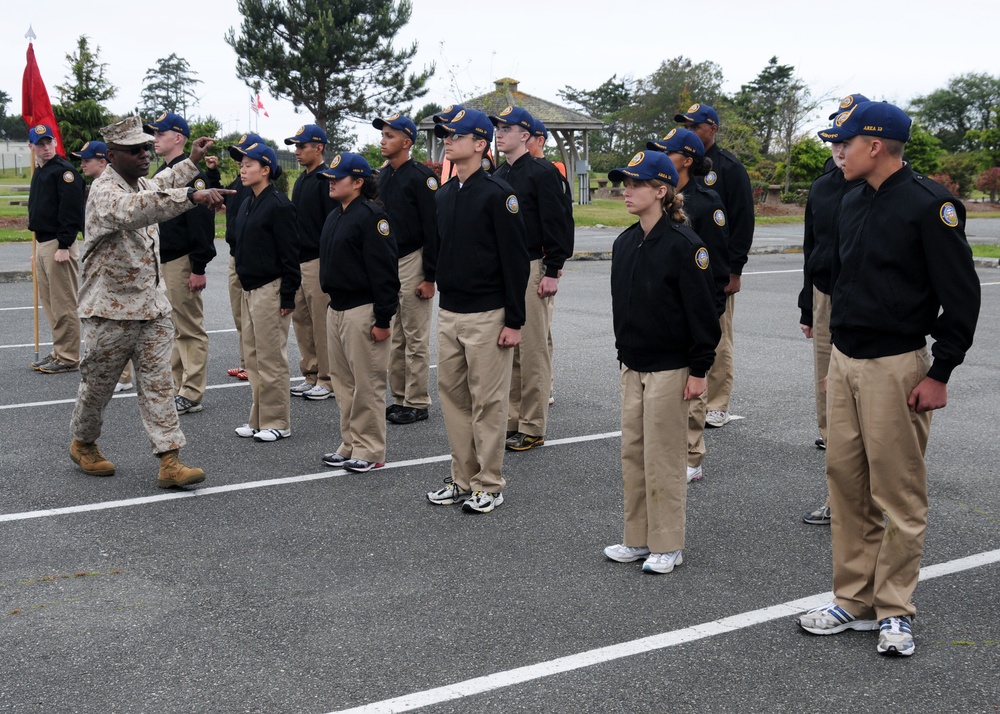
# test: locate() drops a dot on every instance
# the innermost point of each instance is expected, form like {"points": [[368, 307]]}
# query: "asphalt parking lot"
{"points": [[280, 585]]}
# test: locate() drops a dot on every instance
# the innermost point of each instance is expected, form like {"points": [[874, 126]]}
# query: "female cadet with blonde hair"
{"points": [[666, 328]]}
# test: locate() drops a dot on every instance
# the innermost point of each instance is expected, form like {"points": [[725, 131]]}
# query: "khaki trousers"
{"points": [[189, 358], [265, 348], [878, 481], [236, 304], [654, 415], [410, 360], [310, 322], [57, 290], [531, 373], [358, 366], [473, 384], [821, 353], [720, 377], [110, 345], [697, 410]]}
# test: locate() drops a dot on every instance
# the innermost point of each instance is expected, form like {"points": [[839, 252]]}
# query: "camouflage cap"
{"points": [[127, 132]]}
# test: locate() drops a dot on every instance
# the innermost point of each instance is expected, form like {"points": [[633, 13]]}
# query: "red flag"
{"points": [[260, 106], [35, 105]]}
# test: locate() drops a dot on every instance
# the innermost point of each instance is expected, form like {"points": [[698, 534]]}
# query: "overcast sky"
{"points": [[893, 49]]}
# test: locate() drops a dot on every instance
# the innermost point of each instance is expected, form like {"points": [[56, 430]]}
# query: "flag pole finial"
{"points": [[30, 34]]}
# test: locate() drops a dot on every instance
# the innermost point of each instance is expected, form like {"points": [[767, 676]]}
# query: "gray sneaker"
{"points": [[299, 389], [37, 365], [317, 393], [895, 636], [54, 366], [819, 517]]}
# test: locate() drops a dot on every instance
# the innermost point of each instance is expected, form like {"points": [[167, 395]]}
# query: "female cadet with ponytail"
{"points": [[359, 270], [666, 328], [707, 216], [267, 264]]}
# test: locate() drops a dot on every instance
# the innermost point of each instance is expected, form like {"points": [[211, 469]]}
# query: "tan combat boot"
{"points": [[89, 458], [174, 473]]}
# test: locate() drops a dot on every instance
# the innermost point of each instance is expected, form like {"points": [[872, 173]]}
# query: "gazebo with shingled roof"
{"points": [[563, 124]]}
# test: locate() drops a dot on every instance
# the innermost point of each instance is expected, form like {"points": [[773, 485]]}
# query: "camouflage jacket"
{"points": [[120, 275]]}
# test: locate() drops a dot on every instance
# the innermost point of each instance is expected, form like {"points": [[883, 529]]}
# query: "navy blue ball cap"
{"points": [[847, 102], [91, 150], [259, 151], [168, 121], [399, 123], [248, 139], [518, 116], [347, 164], [467, 121], [647, 166], [306, 134], [447, 114], [879, 119], [540, 129], [39, 132], [679, 139], [698, 114]]}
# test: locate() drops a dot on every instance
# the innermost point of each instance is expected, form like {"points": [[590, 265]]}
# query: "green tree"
{"points": [[169, 87], [967, 103], [340, 65], [766, 98], [606, 103], [923, 151], [4, 101], [670, 89], [964, 168], [809, 157], [86, 79], [81, 122]]}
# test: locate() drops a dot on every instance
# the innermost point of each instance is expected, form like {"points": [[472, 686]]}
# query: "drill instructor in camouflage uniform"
{"points": [[123, 302]]}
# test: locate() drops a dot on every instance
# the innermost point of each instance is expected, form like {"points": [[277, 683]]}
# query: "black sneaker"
{"points": [[407, 415], [186, 406], [392, 409], [523, 442], [819, 517], [820, 444]]}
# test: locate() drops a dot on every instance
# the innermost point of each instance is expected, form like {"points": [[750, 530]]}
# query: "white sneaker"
{"points": [[694, 473], [123, 387], [245, 431], [716, 418], [299, 389], [662, 562], [317, 393], [626, 553], [272, 434]]}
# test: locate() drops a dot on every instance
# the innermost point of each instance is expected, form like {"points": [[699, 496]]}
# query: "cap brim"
{"points": [[656, 145], [617, 175], [378, 123], [681, 118], [834, 135], [76, 154], [441, 131], [236, 153], [134, 139]]}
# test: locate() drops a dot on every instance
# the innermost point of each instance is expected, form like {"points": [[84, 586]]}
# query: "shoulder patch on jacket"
{"points": [[701, 258], [432, 183], [710, 178], [199, 184], [383, 227], [719, 217], [68, 176], [512, 203], [949, 216]]}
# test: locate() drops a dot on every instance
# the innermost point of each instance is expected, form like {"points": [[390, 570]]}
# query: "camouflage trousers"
{"points": [[108, 346]]}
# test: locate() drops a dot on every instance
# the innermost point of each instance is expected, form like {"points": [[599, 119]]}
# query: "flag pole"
{"points": [[30, 35]]}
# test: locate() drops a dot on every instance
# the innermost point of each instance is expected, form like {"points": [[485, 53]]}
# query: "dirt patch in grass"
{"points": [[16, 223]]}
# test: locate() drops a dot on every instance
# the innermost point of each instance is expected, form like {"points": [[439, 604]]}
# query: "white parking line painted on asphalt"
{"points": [[45, 344], [510, 677], [212, 490]]}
